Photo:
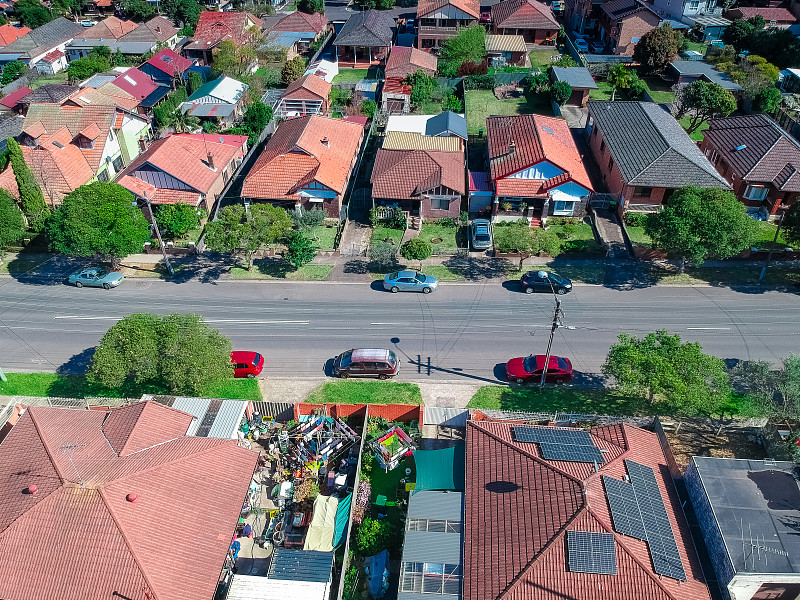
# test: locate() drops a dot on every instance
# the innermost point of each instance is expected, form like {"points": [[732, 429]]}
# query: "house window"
{"points": [[117, 164], [642, 192], [563, 207], [756, 193], [428, 43], [102, 175], [225, 176], [694, 4], [440, 203]]}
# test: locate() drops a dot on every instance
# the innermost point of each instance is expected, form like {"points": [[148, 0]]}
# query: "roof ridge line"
{"points": [[170, 461], [128, 544], [46, 446], [763, 156]]}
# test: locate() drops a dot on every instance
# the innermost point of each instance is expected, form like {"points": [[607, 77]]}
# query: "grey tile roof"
{"points": [[700, 68], [95, 81], [650, 148], [371, 28], [45, 38], [577, 77], [447, 121], [50, 93], [619, 9], [10, 127]]}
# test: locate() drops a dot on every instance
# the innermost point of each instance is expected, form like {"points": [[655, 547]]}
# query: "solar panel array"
{"points": [[591, 552], [637, 510], [574, 445]]}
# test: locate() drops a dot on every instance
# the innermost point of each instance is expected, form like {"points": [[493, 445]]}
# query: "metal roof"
{"points": [[711, 21], [703, 69], [301, 565], [577, 77], [448, 121], [214, 418], [406, 140], [429, 504], [154, 98], [451, 417], [505, 43]]}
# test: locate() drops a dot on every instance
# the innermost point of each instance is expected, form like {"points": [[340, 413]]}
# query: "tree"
{"points": [[195, 82], [182, 121], [775, 392], [293, 69], [31, 199], [779, 46], [270, 223], [619, 77], [560, 91], [175, 220], [757, 21], [737, 34], [382, 256], [99, 60], [706, 100], [178, 352], [767, 100], [33, 13], [416, 249], [236, 60], [453, 103], [138, 10], [311, 6], [299, 249], [791, 224], [422, 86], [368, 108], [98, 219], [12, 221], [185, 12], [308, 220], [236, 231], [469, 45], [660, 368], [12, 71], [699, 224], [656, 49]]}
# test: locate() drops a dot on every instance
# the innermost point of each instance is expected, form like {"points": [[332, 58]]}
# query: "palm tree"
{"points": [[183, 122]]}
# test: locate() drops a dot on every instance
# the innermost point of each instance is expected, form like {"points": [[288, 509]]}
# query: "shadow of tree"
{"points": [[478, 269], [356, 266], [37, 268], [77, 364]]}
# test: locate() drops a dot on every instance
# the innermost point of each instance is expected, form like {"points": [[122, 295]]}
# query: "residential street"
{"points": [[461, 331]]}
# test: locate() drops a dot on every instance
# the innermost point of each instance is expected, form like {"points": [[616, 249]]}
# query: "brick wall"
{"points": [[426, 212], [390, 412]]}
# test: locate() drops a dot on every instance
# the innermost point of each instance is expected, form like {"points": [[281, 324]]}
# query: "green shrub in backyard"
{"points": [[299, 249], [635, 219], [373, 536]]}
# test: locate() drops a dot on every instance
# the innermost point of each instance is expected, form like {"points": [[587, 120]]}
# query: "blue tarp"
{"points": [[375, 567]]}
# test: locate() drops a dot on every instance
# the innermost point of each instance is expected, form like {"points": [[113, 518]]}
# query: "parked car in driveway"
{"points": [[410, 281], [246, 363], [96, 277], [581, 45], [529, 369], [480, 234], [545, 281], [366, 362]]}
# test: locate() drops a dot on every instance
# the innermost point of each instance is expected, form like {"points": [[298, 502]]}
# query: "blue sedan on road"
{"points": [[410, 281], [96, 277]]}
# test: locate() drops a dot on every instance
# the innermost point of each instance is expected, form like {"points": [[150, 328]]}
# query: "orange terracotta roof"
{"points": [[296, 154], [406, 174], [91, 132], [107, 94], [59, 166], [53, 56], [215, 27], [109, 28], [9, 33], [301, 22], [8, 182], [404, 61], [471, 7], [33, 129], [308, 83]]}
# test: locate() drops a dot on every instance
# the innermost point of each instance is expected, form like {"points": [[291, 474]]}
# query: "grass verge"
{"points": [[444, 273], [550, 399], [77, 386], [366, 392], [23, 264], [276, 268]]}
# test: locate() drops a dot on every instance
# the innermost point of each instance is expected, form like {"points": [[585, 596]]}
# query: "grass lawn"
{"points": [[324, 237], [277, 268], [365, 392], [698, 47], [429, 108], [577, 238], [532, 399], [23, 264], [443, 272], [603, 91], [766, 233], [445, 234], [638, 236], [541, 58], [659, 90], [697, 136], [57, 78], [350, 75], [387, 484], [76, 386], [380, 234], [482, 103]]}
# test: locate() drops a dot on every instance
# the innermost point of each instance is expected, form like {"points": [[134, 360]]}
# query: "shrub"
{"points": [[177, 219], [373, 536], [416, 249], [293, 69], [398, 220], [452, 103], [469, 68], [635, 219], [368, 108], [299, 249], [480, 82], [560, 91], [382, 256]]}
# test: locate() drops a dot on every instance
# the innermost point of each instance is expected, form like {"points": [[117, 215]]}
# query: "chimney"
{"points": [[131, 497], [32, 489], [142, 144], [158, 28], [325, 142], [210, 161], [512, 147]]}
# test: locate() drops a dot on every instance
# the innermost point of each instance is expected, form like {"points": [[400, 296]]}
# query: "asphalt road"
{"points": [[460, 332]]}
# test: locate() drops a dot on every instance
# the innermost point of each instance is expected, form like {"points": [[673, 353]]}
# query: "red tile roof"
{"points": [[53, 56], [404, 61], [109, 28], [8, 182], [296, 155], [107, 94], [519, 507], [170, 62], [308, 85], [168, 544], [395, 85], [136, 83], [536, 138], [406, 174], [471, 7], [779, 14], [9, 33], [215, 27], [523, 14], [14, 97], [301, 22]]}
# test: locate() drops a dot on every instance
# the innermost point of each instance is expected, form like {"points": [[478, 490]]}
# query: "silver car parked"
{"points": [[410, 281], [480, 234], [96, 277]]}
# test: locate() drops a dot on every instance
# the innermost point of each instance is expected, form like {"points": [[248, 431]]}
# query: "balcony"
{"points": [[435, 29]]}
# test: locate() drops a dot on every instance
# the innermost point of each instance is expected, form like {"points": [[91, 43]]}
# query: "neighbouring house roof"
{"points": [[406, 174], [778, 14], [14, 97], [505, 43], [50, 93], [650, 148], [757, 149], [471, 7], [95, 81], [521, 506], [407, 140], [703, 69], [761, 497], [53, 56], [620, 9], [110, 28], [479, 182], [155, 96], [225, 89], [404, 61], [170, 62], [9, 33], [395, 85], [215, 27], [285, 39], [136, 83], [371, 28], [576, 77], [447, 122], [106, 95], [158, 29], [183, 157], [300, 22], [304, 149], [114, 483], [523, 14], [308, 85], [45, 38], [208, 109], [535, 138], [114, 46]]}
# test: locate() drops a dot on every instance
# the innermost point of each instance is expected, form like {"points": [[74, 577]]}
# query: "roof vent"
{"points": [[131, 497], [512, 147], [325, 142], [32, 489], [740, 148]]}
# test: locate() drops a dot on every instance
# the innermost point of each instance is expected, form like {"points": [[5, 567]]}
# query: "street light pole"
{"points": [[772, 248], [158, 235]]}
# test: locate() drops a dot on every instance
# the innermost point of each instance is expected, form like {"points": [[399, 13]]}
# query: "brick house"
{"points": [[404, 61], [759, 160], [644, 155], [213, 28], [167, 66], [307, 162], [305, 96], [531, 19], [438, 20], [535, 168], [774, 16], [299, 22], [365, 39], [623, 22]]}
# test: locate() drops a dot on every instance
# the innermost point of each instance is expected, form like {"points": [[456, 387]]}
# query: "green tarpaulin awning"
{"points": [[342, 516], [440, 469]]}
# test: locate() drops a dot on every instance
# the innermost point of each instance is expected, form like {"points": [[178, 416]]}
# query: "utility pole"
{"points": [[772, 248], [158, 234], [550, 343]]}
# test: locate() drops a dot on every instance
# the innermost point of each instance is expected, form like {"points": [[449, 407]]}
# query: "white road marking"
{"points": [[88, 318], [709, 328]]}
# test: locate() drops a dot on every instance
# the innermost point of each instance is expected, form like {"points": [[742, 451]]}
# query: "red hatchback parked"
{"points": [[529, 368], [246, 364]]}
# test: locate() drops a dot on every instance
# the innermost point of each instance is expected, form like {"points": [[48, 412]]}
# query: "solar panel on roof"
{"points": [[573, 445], [624, 508], [570, 453], [591, 552]]}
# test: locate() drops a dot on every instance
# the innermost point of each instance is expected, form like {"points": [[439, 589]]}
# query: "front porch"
{"points": [[357, 57]]}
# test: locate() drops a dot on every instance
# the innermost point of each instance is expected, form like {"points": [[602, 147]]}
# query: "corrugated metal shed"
{"points": [[432, 547], [280, 411], [505, 43], [451, 417], [301, 565], [405, 140], [253, 587], [436, 505]]}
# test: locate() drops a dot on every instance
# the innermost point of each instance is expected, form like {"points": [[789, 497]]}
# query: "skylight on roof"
{"points": [[548, 130], [130, 80], [166, 59], [85, 99]]}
